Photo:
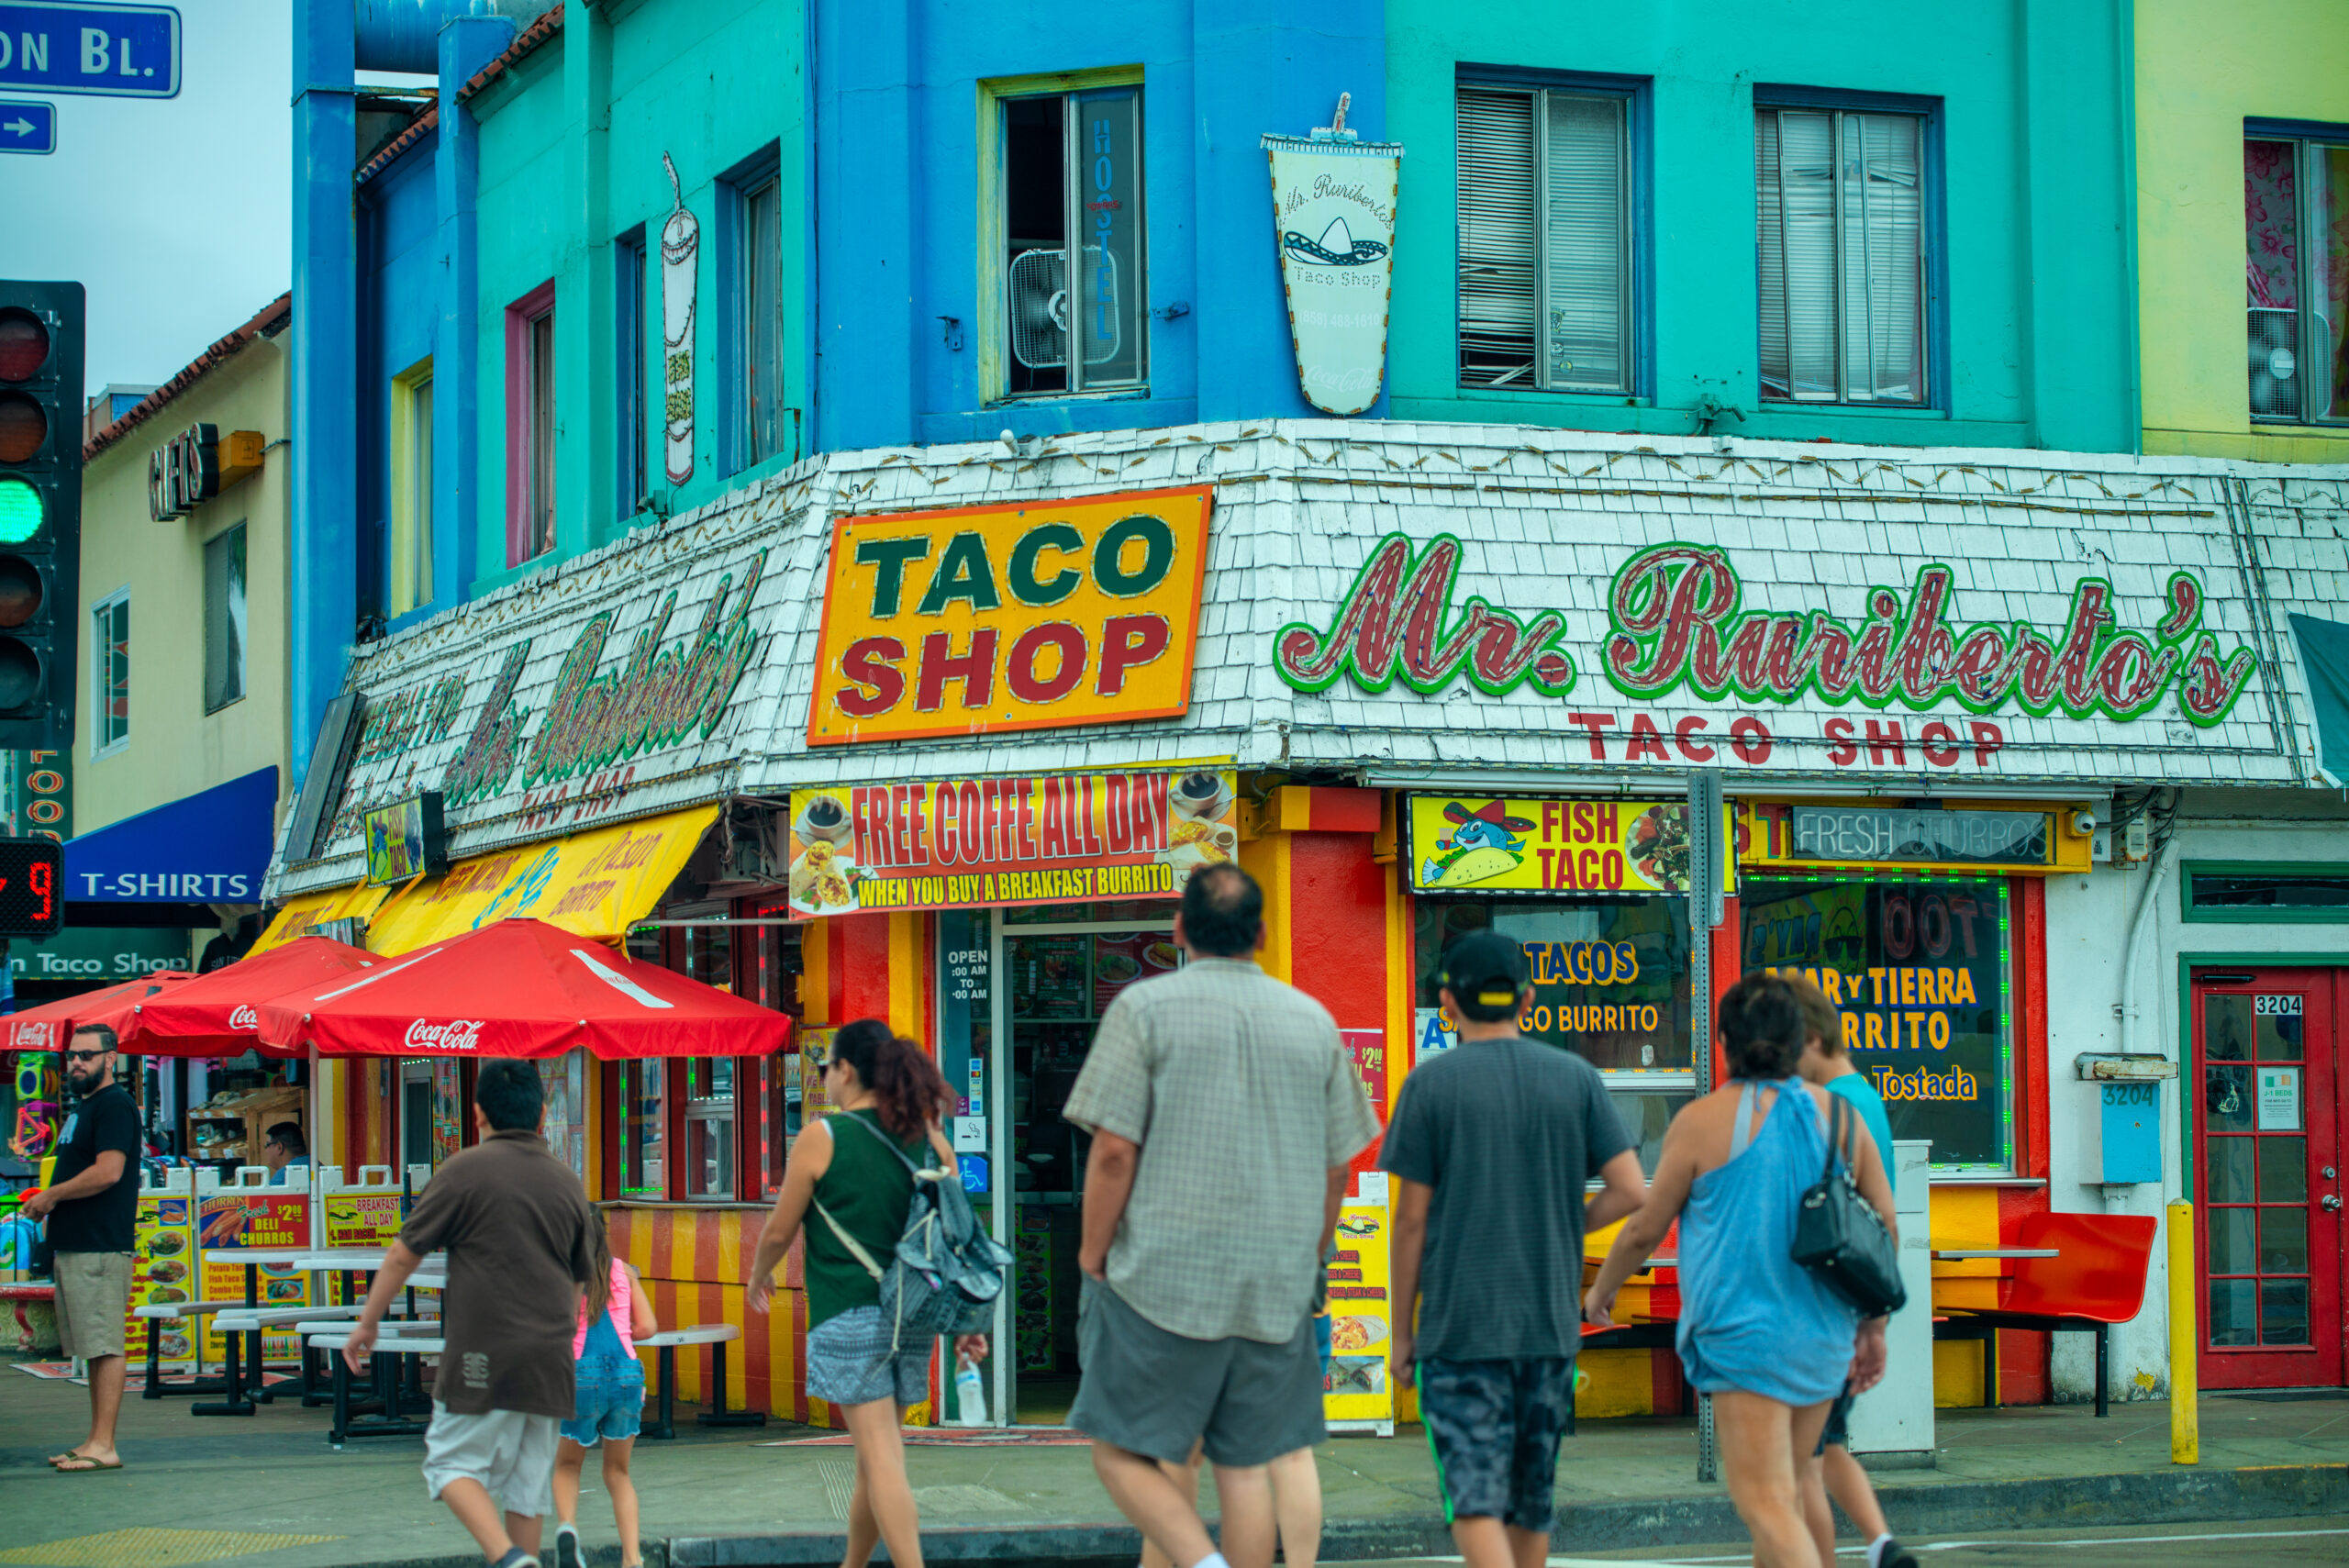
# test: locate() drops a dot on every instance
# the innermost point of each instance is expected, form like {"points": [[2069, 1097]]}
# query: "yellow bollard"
{"points": [[2185, 1339]]}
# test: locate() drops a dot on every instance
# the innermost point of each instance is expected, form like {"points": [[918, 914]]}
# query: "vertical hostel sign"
{"points": [[1333, 212]]}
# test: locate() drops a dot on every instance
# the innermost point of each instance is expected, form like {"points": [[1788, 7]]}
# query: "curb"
{"points": [[1922, 1508]]}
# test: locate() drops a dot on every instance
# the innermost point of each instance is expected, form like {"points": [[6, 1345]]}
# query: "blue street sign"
{"points": [[27, 126], [114, 52]]}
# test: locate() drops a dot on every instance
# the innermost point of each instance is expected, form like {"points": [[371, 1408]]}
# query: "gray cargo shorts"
{"points": [[1157, 1393]]}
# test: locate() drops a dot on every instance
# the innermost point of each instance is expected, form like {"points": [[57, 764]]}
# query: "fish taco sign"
{"points": [[1333, 206]]}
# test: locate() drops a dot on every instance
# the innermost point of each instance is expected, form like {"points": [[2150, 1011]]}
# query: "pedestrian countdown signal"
{"points": [[32, 870]]}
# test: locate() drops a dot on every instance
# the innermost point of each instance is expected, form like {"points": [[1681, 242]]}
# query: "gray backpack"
{"points": [[945, 1274]]}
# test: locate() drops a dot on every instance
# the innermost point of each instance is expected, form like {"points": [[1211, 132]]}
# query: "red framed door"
{"points": [[2265, 1103]]}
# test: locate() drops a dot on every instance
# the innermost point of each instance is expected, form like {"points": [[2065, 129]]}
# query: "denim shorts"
{"points": [[609, 1400]]}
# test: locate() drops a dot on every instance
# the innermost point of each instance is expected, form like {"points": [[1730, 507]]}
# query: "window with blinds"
{"points": [[1840, 242], [1546, 240]]}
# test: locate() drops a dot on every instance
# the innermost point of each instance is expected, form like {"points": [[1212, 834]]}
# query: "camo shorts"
{"points": [[1494, 1428]]}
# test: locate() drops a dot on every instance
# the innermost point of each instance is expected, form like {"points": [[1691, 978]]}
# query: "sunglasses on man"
{"points": [[87, 1056]]}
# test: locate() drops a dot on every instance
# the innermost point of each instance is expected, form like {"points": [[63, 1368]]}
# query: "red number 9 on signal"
{"points": [[43, 880]]}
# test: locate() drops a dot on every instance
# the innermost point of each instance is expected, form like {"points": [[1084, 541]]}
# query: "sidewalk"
{"points": [[742, 1499]]}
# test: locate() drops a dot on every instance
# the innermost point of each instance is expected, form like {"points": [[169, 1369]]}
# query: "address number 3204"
{"points": [[2275, 1004]]}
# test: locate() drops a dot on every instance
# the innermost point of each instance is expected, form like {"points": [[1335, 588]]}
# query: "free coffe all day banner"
{"points": [[987, 619], [973, 843]]}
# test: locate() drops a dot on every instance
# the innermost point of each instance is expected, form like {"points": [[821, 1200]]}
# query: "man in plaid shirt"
{"points": [[1224, 1114]]}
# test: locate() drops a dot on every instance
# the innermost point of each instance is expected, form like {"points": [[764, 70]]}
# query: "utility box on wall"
{"points": [[2129, 1115], [1893, 1423]]}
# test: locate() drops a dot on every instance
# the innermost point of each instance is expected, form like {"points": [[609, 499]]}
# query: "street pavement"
{"points": [[2289, 1543], [267, 1491]]}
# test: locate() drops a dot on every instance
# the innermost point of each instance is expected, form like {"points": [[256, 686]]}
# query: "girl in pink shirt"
{"points": [[614, 1313]]}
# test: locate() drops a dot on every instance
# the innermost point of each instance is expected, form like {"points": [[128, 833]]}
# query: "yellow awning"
{"points": [[303, 915], [595, 883]]}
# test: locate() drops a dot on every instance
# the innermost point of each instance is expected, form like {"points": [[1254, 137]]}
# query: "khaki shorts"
{"points": [[511, 1454], [92, 1298]]}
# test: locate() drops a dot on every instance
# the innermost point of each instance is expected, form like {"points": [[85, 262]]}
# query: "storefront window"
{"points": [[1920, 969], [643, 1168], [709, 1126], [1610, 982]]}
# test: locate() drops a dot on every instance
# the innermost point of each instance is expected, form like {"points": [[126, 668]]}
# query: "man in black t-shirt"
{"points": [[91, 1204], [1492, 1145]]}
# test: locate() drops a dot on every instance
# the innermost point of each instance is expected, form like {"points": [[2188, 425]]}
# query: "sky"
{"points": [[176, 214]]}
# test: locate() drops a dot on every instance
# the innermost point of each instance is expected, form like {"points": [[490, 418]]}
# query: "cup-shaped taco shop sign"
{"points": [[1027, 616], [972, 843], [1333, 215]]}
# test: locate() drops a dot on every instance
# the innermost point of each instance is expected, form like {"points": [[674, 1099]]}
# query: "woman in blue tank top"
{"points": [[1758, 1332]]}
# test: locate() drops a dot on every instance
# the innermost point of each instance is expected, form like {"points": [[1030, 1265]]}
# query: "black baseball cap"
{"points": [[1484, 970]]}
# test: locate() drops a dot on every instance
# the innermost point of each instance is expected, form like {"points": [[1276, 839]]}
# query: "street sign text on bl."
{"points": [[27, 126], [115, 52]]}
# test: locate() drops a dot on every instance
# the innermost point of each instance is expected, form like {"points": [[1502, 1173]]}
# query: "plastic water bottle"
{"points": [[970, 1397]]}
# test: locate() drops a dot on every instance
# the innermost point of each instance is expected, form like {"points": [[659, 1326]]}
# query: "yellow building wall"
{"points": [[175, 749], [2204, 67]]}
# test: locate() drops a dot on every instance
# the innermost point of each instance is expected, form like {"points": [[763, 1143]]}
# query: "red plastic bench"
{"points": [[2096, 1279]]}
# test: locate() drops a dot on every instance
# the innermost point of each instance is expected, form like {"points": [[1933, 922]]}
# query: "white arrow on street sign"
{"points": [[18, 127]]}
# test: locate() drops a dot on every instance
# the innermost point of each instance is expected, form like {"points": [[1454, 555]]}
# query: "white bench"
{"points": [[164, 1311], [392, 1423], [716, 1336]]}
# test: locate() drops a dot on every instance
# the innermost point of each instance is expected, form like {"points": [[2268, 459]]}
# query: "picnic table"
{"points": [[716, 1336], [239, 1402], [160, 1313], [384, 1365]]}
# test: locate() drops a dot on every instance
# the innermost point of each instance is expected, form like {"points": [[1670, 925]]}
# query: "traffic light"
{"points": [[41, 511]]}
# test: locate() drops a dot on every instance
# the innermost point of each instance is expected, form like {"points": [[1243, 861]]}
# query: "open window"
{"points": [[2296, 274], [1075, 293]]}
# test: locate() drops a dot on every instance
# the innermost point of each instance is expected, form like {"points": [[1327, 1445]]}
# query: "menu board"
{"points": [[162, 1271], [1120, 960], [815, 1051], [254, 1219], [448, 1108], [1048, 978], [1367, 1047], [1917, 973], [367, 1219], [1358, 1388]]}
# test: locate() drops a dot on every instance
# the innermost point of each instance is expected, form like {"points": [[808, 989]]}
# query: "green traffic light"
{"points": [[20, 512]]}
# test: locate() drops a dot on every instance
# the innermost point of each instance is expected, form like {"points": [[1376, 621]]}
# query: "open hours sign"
{"points": [[987, 619]]}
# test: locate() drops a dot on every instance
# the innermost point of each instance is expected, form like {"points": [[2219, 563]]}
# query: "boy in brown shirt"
{"points": [[515, 1225]]}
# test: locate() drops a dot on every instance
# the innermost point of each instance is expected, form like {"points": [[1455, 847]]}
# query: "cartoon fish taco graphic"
{"points": [[1482, 845]]}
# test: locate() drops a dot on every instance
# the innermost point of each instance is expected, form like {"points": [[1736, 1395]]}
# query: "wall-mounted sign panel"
{"points": [[987, 619], [2028, 840], [1476, 844], [109, 51], [1333, 211], [407, 838], [972, 843]]}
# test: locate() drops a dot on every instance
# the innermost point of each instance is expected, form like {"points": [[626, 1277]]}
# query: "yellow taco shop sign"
{"points": [[1483, 844], [987, 619]]}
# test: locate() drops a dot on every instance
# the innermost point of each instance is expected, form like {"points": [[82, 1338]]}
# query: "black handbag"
{"points": [[1840, 1236]]}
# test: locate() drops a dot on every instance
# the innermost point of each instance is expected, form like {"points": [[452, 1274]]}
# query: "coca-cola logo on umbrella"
{"points": [[243, 1018], [457, 1034]]}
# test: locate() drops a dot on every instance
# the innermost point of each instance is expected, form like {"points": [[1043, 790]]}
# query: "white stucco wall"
{"points": [[2088, 920]]}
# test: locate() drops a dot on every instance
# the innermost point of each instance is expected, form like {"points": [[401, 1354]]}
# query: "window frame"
{"points": [[1638, 215], [102, 744], [739, 188], [216, 633], [2219, 915], [408, 540], [2302, 135], [994, 239], [630, 447], [525, 456], [1933, 228]]}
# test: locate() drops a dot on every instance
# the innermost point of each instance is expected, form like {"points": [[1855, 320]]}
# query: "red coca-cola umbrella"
{"points": [[520, 988], [219, 1013], [51, 1025]]}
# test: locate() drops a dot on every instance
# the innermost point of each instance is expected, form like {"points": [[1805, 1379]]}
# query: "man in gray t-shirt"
{"points": [[1492, 1145]]}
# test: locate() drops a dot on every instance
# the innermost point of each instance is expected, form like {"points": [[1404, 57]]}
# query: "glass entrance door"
{"points": [[2267, 1124], [1058, 968]]}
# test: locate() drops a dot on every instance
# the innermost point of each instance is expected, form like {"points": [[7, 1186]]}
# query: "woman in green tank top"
{"points": [[849, 1184]]}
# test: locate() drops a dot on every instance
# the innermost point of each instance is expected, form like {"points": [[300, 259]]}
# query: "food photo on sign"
{"points": [[970, 843]]}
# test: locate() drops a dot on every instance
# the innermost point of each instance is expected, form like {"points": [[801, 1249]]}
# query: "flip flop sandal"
{"points": [[82, 1464], [62, 1458]]}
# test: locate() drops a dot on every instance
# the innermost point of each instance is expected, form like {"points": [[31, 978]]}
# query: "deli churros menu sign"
{"points": [[976, 843]]}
